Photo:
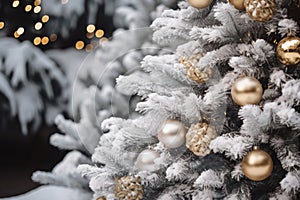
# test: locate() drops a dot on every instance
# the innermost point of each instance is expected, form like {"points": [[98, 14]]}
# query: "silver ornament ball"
{"points": [[145, 160], [172, 134]]}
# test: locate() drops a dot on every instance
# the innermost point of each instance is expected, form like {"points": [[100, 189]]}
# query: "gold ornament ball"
{"points": [[288, 50], [257, 165], [101, 198], [260, 10], [200, 3], [238, 4], [172, 133], [246, 90], [145, 160]]}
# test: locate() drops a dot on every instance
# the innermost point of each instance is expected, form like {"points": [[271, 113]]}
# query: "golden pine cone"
{"points": [[198, 138], [260, 10], [129, 188]]}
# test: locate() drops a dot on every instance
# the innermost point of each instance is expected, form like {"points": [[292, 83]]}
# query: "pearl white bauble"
{"points": [[145, 160], [172, 133]]}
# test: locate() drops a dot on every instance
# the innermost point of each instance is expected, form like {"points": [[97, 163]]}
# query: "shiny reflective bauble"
{"points": [[172, 133], [257, 165], [238, 4], [200, 3], [101, 198], [145, 160], [260, 10], [288, 51], [246, 90]]}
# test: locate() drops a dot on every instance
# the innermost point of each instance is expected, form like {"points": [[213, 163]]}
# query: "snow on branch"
{"points": [[210, 179], [233, 146]]}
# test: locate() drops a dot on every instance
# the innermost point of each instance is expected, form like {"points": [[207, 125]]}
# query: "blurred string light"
{"points": [[37, 41], [99, 33], [89, 47], [38, 26], [45, 40], [2, 24], [28, 8], [15, 3], [90, 28], [45, 18], [37, 9], [20, 30], [53, 37], [37, 2], [79, 45]]}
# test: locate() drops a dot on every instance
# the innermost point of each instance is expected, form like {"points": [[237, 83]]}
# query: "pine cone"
{"points": [[199, 137], [129, 188], [260, 10], [193, 72]]}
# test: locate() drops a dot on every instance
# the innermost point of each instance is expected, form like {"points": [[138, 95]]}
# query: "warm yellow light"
{"points": [[16, 35], [37, 41], [90, 35], [90, 28], [2, 24], [37, 9], [45, 18], [89, 47], [45, 40], [99, 33], [37, 2], [20, 30], [15, 3], [38, 26], [28, 8], [79, 45], [53, 37], [64, 1]]}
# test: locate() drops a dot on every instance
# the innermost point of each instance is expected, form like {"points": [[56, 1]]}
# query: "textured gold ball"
{"points": [[260, 10], [288, 51], [238, 4], [129, 188], [246, 90], [145, 160], [172, 133], [257, 165], [200, 3], [198, 138]]}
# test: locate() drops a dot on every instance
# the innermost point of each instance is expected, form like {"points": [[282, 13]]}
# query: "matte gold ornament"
{"points": [[145, 160], [288, 50], [246, 90], [257, 165], [172, 133], [193, 72], [101, 198], [260, 10], [198, 138], [238, 4], [200, 3], [129, 188]]}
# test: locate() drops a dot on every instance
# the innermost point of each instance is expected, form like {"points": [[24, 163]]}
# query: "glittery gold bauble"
{"points": [[260, 10], [198, 138], [129, 188], [246, 90], [172, 133], [101, 198], [200, 3], [145, 160], [193, 72], [257, 165], [238, 4], [288, 50]]}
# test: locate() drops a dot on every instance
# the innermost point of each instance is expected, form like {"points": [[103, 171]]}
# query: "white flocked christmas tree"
{"points": [[218, 115]]}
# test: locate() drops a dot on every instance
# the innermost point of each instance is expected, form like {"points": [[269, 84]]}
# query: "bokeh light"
{"points": [[37, 9], [37, 41], [20, 31], [45, 18], [45, 40], [79, 45], [90, 28], [53, 37], [99, 33], [2, 24], [28, 8], [38, 26], [15, 3]]}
